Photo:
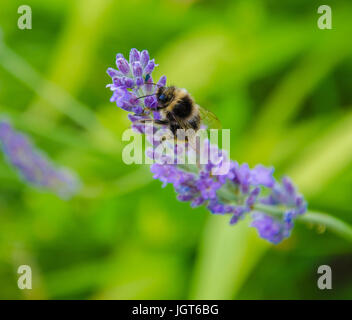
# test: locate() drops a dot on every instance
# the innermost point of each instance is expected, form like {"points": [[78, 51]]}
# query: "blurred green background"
{"points": [[283, 87]]}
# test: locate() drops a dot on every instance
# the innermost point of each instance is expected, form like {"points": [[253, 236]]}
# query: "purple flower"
{"points": [[144, 58], [207, 186], [217, 207], [243, 176], [269, 228], [137, 69], [288, 186], [114, 73], [151, 102], [33, 165], [238, 193], [119, 55], [162, 81], [128, 83], [262, 175], [149, 67], [123, 66], [237, 214], [134, 56], [197, 201], [221, 185], [186, 191], [252, 198], [132, 80], [170, 174], [137, 123], [287, 195]]}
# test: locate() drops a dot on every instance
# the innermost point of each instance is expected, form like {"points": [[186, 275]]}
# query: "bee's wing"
{"points": [[209, 119]]}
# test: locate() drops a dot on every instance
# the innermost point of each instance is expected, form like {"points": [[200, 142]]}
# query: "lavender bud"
{"points": [[156, 115], [113, 73], [253, 196], [123, 66], [262, 175], [144, 58], [128, 82], [134, 55], [139, 81], [151, 102], [119, 55], [118, 82], [162, 81], [149, 67], [269, 228], [288, 186], [137, 69]]}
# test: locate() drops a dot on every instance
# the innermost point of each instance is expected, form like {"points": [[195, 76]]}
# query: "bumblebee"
{"points": [[179, 111]]}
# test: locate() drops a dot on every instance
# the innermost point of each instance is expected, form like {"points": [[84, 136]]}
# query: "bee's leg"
{"points": [[161, 122]]}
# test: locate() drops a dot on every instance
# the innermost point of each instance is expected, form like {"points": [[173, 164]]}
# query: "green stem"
{"points": [[336, 225], [276, 211]]}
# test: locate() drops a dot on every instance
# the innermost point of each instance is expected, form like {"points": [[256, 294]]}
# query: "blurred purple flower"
{"points": [[33, 165], [270, 228]]}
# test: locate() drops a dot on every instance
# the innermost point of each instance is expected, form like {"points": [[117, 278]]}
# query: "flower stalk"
{"points": [[332, 223]]}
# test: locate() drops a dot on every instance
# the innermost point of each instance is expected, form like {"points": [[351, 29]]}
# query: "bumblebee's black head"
{"points": [[165, 95]]}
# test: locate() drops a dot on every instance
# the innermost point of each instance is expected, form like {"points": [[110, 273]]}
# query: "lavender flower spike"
{"points": [[241, 191], [33, 166], [132, 80]]}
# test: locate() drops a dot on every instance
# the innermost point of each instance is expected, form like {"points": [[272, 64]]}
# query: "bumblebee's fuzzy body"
{"points": [[178, 109]]}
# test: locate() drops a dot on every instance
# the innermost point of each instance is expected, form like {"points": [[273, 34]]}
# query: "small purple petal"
{"points": [[119, 55], [253, 196], [234, 219], [139, 81], [288, 185], [134, 55], [128, 82], [208, 186], [151, 102], [118, 82], [216, 207], [262, 175], [137, 69], [137, 109], [123, 66], [149, 67], [269, 228], [197, 202], [144, 58], [156, 115], [162, 81], [243, 175], [113, 73]]}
